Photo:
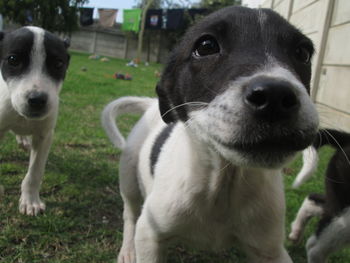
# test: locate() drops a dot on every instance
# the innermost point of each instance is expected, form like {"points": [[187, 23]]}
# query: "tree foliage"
{"points": [[53, 15], [217, 4]]}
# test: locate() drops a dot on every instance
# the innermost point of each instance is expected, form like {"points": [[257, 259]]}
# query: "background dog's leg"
{"points": [[30, 202], [332, 238], [149, 247], [310, 207]]}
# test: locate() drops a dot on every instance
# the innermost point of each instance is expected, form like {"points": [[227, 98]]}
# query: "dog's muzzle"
{"points": [[276, 120], [272, 100], [274, 110], [36, 104]]}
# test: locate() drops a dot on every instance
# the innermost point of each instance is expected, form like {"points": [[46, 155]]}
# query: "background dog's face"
{"points": [[33, 65], [244, 78]]}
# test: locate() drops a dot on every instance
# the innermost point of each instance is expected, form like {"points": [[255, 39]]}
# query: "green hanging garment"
{"points": [[132, 18]]}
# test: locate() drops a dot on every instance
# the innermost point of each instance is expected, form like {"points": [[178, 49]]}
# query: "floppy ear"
{"points": [[171, 89], [66, 42], [165, 106], [68, 60], [2, 35]]}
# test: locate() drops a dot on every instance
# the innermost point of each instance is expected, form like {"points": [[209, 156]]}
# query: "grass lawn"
{"points": [[83, 220]]}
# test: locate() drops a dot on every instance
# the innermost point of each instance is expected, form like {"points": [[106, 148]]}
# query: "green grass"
{"points": [[83, 220]]}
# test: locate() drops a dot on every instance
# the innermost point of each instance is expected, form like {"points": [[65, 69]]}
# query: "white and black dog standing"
{"points": [[206, 170], [333, 232], [33, 67]]}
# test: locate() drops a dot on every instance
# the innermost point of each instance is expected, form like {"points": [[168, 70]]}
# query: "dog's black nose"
{"points": [[272, 100], [37, 100]]}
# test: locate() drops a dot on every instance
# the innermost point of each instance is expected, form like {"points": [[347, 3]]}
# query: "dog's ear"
{"points": [[66, 42], [165, 105], [170, 90], [68, 60], [2, 36]]}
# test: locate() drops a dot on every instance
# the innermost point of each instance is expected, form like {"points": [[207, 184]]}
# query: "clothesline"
{"points": [[168, 19]]}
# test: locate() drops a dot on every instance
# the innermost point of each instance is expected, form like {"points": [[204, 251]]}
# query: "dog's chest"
{"points": [[10, 120], [222, 212], [215, 231]]}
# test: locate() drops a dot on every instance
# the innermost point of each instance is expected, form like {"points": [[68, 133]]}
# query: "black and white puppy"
{"points": [[33, 67], [206, 170], [333, 231]]}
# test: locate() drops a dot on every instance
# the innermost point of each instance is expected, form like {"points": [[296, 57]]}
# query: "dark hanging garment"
{"points": [[175, 19], [154, 19], [86, 18]]}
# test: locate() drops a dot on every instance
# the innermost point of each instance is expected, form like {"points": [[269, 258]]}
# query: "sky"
{"points": [[127, 4]]}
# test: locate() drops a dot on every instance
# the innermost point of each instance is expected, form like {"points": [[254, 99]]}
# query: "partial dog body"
{"points": [[33, 67], [333, 231], [206, 170]]}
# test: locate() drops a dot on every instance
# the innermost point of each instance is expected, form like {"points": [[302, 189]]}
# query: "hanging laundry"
{"points": [[132, 18], [86, 16], [154, 19], [107, 17], [174, 19]]}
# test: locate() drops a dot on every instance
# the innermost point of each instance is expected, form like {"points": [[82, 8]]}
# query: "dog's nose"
{"points": [[272, 100], [37, 100]]}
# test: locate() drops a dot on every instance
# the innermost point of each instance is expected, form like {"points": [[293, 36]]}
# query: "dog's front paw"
{"points": [[24, 142], [295, 235], [30, 204], [127, 255]]}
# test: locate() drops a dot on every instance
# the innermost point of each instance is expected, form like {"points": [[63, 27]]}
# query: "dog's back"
{"points": [[331, 137], [334, 138]]}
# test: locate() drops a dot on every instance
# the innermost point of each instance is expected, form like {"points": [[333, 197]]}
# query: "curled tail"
{"points": [[310, 160], [135, 105]]}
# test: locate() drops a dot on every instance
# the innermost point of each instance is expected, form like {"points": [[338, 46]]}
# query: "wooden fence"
{"points": [[327, 23]]}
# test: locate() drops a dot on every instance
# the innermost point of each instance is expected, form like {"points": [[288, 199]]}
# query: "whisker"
{"points": [[223, 168], [340, 147], [194, 103], [211, 90]]}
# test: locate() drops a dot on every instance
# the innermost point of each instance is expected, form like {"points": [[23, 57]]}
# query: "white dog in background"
{"points": [[33, 67]]}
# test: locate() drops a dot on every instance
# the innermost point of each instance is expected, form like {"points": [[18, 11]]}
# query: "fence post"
{"points": [[290, 9], [126, 46], [94, 42], [324, 35]]}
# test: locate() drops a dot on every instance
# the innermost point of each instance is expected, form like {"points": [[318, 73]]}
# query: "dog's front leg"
{"points": [[30, 203], [283, 257], [149, 247]]}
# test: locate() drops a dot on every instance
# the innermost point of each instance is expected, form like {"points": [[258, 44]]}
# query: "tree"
{"points": [[54, 15], [146, 6]]}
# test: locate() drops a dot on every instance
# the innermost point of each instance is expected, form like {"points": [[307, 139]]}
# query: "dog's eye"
{"points": [[14, 61], [303, 54], [206, 46]]}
